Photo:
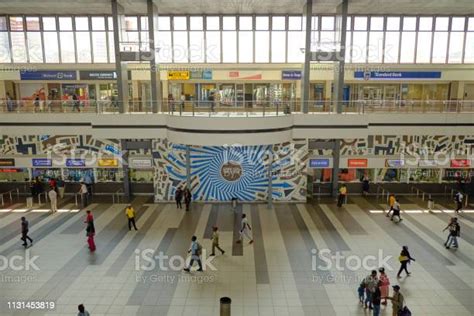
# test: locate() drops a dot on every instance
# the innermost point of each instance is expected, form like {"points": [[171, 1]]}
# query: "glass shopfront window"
{"points": [[141, 176], [46, 173], [78, 175], [392, 175], [14, 175], [109, 175], [458, 175], [424, 175]]}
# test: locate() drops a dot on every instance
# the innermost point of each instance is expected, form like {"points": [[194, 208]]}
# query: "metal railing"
{"points": [[45, 197], [233, 108], [116, 196], [10, 195], [76, 198], [452, 193]]}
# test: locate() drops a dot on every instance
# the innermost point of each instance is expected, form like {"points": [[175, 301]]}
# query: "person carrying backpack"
{"points": [[454, 233], [196, 251], [458, 199]]}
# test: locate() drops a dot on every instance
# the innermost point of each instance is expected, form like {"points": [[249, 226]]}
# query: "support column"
{"points": [[270, 178], [118, 20], [156, 97], [126, 171], [307, 18], [188, 167], [338, 95]]}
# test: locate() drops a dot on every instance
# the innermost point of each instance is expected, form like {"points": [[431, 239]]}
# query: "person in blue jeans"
{"points": [[371, 283], [376, 299]]}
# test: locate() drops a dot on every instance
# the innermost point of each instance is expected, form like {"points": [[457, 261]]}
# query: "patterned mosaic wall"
{"points": [[221, 173]]}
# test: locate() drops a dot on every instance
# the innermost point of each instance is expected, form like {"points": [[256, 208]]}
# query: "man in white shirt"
{"points": [[245, 230], [458, 199], [53, 199], [83, 192]]}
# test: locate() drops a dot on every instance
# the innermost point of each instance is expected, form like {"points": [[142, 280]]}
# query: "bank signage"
{"points": [[396, 75], [319, 163], [97, 75], [394, 163], [141, 163], [7, 162], [41, 162], [74, 162], [48, 75], [460, 163], [291, 74], [357, 163]]}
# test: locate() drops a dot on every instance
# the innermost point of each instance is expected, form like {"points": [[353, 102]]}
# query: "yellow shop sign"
{"points": [[178, 75]]}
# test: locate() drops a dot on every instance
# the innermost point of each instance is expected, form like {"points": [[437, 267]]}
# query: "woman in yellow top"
{"points": [[342, 195], [130, 212], [391, 203]]}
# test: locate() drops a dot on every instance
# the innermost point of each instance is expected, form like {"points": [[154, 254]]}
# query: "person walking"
{"points": [[397, 300], [215, 241], [342, 195], [404, 258], [82, 311], [454, 233], [196, 251], [178, 196], [84, 194], [384, 284], [245, 230], [391, 203], [187, 198], [376, 299], [60, 186], [53, 199], [396, 211], [458, 200], [10, 103], [371, 283], [36, 103], [130, 212], [365, 185], [90, 231], [24, 232], [76, 103]]}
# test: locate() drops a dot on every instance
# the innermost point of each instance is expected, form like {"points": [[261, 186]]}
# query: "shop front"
{"points": [[141, 174]]}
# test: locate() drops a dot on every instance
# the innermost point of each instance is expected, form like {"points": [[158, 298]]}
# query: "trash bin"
{"points": [[430, 204], [29, 202], [225, 306]]}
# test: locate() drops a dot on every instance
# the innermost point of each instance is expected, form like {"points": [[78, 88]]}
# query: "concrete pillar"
{"points": [[156, 97], [118, 20], [188, 166], [307, 17], [126, 171], [270, 178], [341, 28]]}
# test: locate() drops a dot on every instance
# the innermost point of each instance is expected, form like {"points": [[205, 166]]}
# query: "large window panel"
{"points": [[180, 23], [456, 42], [83, 42], [440, 47], [99, 47], [278, 47], [295, 44], [229, 47], [375, 48], [392, 46], [245, 47], [262, 46], [5, 55], [98, 23], [32, 23], [164, 23], [197, 50], [196, 23], [35, 47], [65, 23], [469, 52], [49, 23], [359, 47], [3, 23], [68, 53], [262, 23], [18, 47], [423, 47], [212, 23], [458, 23], [348, 46], [245, 23], [228, 23], [295, 23], [213, 47], [180, 47], [408, 47], [165, 53], [110, 35], [278, 23], [16, 23], [51, 53], [82, 23]]}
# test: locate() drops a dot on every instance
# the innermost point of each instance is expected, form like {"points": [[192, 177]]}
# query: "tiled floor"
{"points": [[280, 274]]}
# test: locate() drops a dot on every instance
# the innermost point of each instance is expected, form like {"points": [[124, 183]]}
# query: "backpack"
{"points": [[458, 230], [199, 249]]}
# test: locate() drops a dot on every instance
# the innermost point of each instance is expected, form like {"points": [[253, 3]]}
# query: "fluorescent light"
{"points": [[75, 211], [5, 210], [20, 210], [413, 211], [376, 211], [40, 211]]}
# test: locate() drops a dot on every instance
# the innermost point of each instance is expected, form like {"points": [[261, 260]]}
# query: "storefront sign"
{"points": [[10, 170], [7, 162], [427, 163], [97, 75], [139, 163], [396, 75], [48, 75], [75, 162], [107, 162], [319, 163], [207, 74], [291, 74], [394, 163], [112, 149], [41, 162], [460, 163], [178, 75], [357, 163], [201, 74], [245, 75]]}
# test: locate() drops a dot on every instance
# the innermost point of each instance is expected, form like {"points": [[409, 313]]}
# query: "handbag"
{"points": [[402, 258], [404, 312]]}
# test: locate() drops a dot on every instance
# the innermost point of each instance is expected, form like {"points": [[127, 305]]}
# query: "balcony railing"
{"points": [[236, 108]]}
